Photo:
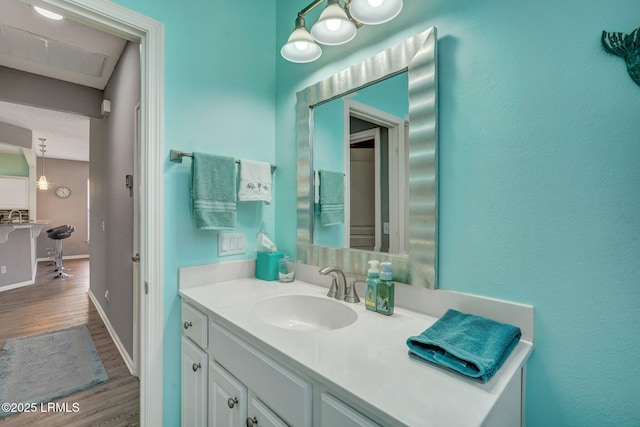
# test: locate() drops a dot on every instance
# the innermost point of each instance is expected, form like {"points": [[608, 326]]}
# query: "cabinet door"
{"points": [[227, 398], [14, 193], [261, 416], [334, 412], [194, 384]]}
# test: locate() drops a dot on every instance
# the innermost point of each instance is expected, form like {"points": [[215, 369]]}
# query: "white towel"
{"points": [[255, 181]]}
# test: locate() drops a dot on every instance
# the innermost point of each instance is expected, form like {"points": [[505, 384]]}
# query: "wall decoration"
{"points": [[626, 46], [63, 192]]}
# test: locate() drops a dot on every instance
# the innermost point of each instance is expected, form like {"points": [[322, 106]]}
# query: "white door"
{"points": [[227, 398], [261, 416], [137, 291], [363, 178], [194, 385]]}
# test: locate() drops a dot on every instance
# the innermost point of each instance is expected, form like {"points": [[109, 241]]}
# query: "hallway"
{"points": [[53, 304]]}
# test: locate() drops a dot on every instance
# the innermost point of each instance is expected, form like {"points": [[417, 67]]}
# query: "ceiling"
{"points": [[64, 50]]}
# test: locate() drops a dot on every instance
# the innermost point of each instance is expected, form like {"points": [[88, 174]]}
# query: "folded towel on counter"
{"points": [[471, 345], [331, 197], [213, 191], [255, 181]]}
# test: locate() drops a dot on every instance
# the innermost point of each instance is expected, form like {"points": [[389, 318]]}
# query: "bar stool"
{"points": [[59, 234]]}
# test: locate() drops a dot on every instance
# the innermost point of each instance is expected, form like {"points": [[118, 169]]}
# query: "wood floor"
{"points": [[53, 304]]}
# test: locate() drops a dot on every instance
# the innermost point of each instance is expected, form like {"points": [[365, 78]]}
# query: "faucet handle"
{"points": [[352, 295], [333, 290]]}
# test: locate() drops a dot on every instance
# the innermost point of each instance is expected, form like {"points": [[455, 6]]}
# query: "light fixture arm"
{"points": [[309, 8], [316, 3]]}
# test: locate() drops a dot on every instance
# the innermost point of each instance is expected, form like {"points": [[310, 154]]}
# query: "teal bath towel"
{"points": [[471, 345], [331, 197], [213, 191]]}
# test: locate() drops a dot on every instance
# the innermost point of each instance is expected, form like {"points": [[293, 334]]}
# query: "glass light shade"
{"points": [[373, 12], [48, 14], [333, 26], [301, 47], [42, 183]]}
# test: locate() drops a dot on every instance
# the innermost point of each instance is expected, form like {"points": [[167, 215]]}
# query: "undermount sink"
{"points": [[304, 312]]}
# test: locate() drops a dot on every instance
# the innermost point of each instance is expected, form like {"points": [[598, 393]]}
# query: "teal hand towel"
{"points": [[331, 197], [213, 191], [471, 345]]}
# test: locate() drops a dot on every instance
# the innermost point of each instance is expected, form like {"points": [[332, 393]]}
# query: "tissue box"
{"points": [[267, 265]]}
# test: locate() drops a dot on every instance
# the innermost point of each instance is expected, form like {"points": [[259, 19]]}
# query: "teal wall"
{"points": [[539, 189], [539, 181], [219, 98], [13, 165]]}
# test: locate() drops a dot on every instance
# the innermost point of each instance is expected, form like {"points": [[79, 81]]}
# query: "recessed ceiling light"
{"points": [[48, 13]]}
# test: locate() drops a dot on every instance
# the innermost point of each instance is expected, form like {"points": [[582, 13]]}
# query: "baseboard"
{"points": [[16, 285], [114, 336]]}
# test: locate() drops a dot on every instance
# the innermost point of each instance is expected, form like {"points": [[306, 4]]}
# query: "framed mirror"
{"points": [[324, 237]]}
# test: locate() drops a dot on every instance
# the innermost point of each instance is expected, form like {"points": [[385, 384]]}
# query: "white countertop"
{"points": [[368, 359], [37, 225]]}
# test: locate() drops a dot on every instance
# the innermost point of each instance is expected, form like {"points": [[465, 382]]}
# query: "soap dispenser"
{"points": [[384, 299], [371, 293]]}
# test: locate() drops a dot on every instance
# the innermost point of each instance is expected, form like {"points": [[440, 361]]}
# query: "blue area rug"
{"points": [[44, 367]]}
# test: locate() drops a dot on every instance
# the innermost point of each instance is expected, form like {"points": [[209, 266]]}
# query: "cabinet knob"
{"points": [[187, 325], [252, 421], [195, 367], [231, 402]]}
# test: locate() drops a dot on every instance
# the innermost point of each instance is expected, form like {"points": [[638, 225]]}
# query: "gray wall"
{"points": [[15, 255], [111, 161], [14, 135], [72, 210], [31, 89]]}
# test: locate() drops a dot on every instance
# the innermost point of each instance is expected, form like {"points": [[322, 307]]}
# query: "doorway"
{"points": [[149, 33], [379, 141]]}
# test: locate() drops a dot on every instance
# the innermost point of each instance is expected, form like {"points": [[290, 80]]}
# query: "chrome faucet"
{"points": [[19, 215], [339, 288]]}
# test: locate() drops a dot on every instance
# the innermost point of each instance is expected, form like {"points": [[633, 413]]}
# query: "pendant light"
{"points": [[42, 183], [333, 26], [301, 47], [373, 12]]}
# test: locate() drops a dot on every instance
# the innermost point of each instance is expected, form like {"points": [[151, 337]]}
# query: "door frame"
{"points": [[397, 150], [149, 33]]}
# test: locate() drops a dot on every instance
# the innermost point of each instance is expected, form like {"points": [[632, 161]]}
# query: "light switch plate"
{"points": [[230, 244]]}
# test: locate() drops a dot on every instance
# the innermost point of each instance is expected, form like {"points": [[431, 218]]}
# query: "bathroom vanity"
{"points": [[276, 354]]}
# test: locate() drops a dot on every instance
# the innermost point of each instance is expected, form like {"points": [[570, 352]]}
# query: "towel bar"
{"points": [[176, 156]]}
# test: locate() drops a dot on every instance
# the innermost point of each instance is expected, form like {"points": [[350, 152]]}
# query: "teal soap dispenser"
{"points": [[384, 299], [371, 294]]}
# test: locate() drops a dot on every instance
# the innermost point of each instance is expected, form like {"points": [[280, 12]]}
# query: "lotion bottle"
{"points": [[384, 299], [371, 293]]}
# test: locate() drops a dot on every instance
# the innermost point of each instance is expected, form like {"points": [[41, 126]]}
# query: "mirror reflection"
{"points": [[324, 232], [360, 162]]}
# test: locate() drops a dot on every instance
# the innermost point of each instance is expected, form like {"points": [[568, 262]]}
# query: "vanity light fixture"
{"points": [[42, 183], [336, 25], [48, 14]]}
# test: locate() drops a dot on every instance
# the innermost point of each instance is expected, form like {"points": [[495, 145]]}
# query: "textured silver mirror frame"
{"points": [[418, 56]]}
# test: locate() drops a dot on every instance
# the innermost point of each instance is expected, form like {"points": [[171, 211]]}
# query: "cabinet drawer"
{"points": [[334, 412], [194, 325], [284, 392]]}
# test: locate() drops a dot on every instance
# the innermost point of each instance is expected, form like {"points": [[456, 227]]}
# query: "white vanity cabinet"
{"points": [[274, 395], [194, 367], [261, 375]]}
